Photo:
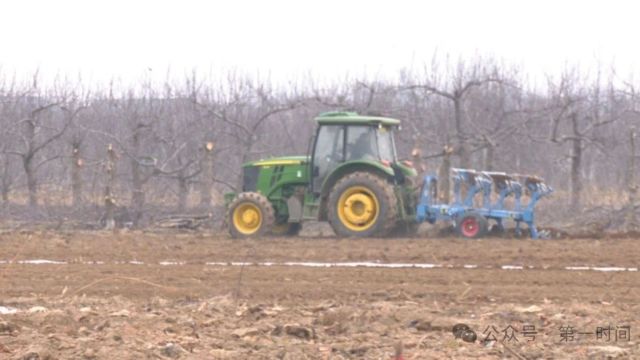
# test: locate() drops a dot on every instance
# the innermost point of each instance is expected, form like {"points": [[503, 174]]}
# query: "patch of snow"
{"points": [[42, 262], [578, 268], [171, 263], [348, 264], [607, 269], [37, 309], [7, 310], [512, 267]]}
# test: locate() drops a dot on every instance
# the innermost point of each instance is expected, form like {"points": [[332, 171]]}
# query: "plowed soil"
{"points": [[137, 295]]}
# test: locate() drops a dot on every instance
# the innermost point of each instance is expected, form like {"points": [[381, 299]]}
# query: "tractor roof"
{"points": [[353, 118]]}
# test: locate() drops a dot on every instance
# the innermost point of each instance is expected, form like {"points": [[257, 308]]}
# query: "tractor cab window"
{"points": [[328, 153], [386, 146], [369, 143], [361, 143]]}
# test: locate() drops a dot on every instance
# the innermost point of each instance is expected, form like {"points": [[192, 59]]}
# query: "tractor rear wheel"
{"points": [[472, 225], [250, 215], [362, 204]]}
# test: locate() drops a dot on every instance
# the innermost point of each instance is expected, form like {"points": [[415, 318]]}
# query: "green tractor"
{"points": [[352, 178]]}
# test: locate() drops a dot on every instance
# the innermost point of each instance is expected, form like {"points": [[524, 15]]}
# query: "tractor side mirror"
{"points": [[316, 171]]}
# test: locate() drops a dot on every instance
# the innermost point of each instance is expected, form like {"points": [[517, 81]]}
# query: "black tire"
{"points": [[472, 225], [286, 229], [259, 203], [385, 217]]}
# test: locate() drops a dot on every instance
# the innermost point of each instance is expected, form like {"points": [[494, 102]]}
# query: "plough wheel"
{"points": [[472, 225]]}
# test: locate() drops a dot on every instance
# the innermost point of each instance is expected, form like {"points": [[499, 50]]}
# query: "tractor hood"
{"points": [[277, 161]]}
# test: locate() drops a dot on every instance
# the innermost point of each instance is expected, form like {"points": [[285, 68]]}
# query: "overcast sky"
{"points": [[284, 39]]}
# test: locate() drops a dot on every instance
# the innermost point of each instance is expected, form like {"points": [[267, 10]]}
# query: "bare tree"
{"points": [[460, 85], [37, 132], [579, 110], [474, 113], [244, 111]]}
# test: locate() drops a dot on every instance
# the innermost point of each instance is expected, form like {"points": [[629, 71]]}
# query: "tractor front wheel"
{"points": [[472, 225], [250, 215], [362, 205]]}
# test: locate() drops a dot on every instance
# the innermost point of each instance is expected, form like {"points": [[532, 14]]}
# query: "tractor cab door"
{"points": [[328, 153]]}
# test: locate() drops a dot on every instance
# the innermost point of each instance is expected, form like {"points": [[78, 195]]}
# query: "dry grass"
{"points": [[51, 195], [593, 196]]}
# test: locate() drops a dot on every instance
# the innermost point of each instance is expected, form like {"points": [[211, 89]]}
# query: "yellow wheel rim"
{"points": [[247, 218], [358, 208]]}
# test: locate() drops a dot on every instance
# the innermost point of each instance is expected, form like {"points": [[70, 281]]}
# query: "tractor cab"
{"points": [[345, 139]]}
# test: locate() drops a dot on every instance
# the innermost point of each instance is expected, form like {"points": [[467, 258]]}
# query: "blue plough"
{"points": [[468, 186]]}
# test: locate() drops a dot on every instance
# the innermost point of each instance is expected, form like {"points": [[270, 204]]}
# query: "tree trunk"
{"points": [[76, 177], [416, 154], [576, 165], [5, 192], [6, 181], [488, 157], [27, 162], [462, 150], [183, 192], [246, 153], [137, 193], [632, 221], [109, 196], [32, 183], [206, 180], [631, 177], [444, 175]]}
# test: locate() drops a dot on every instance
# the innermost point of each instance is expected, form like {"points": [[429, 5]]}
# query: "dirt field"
{"points": [[135, 295]]}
